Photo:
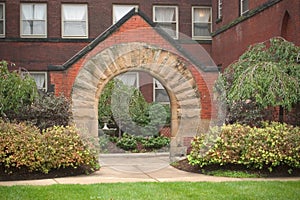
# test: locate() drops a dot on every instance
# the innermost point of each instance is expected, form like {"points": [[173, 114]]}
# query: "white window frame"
{"points": [[32, 73], [196, 37], [220, 8], [86, 22], [22, 35], [176, 18], [160, 87], [122, 6], [243, 12], [3, 20]]}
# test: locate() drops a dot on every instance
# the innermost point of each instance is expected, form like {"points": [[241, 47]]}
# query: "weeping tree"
{"points": [[266, 75]]}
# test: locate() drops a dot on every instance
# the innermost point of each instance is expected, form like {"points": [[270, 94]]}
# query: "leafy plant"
{"points": [[141, 144], [46, 111], [129, 110], [15, 91], [23, 146], [272, 145], [267, 75]]}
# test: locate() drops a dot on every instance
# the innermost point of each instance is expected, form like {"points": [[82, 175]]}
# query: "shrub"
{"points": [[46, 111], [138, 143], [271, 145], [15, 91], [23, 146]]}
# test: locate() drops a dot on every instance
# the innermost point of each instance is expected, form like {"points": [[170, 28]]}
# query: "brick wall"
{"points": [[135, 30], [230, 44]]}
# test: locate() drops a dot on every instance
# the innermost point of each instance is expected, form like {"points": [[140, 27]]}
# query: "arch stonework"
{"points": [[170, 69]]}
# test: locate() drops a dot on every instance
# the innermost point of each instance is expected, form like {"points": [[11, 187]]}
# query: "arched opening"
{"points": [[285, 26], [134, 114], [170, 69]]}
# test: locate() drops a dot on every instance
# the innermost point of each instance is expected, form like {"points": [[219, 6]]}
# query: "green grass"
{"points": [[231, 173], [162, 191]]}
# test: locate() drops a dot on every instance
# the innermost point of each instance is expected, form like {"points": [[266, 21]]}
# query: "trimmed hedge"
{"points": [[23, 146], [272, 145]]}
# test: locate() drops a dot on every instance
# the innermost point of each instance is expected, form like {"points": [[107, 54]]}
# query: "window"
{"points": [[40, 79], [244, 6], [2, 19], [220, 3], [167, 18], [129, 78], [160, 95], [74, 21], [201, 23], [120, 11], [33, 20]]}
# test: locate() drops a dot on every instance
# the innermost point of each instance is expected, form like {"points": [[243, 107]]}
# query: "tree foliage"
{"points": [[125, 107], [15, 91], [267, 74]]}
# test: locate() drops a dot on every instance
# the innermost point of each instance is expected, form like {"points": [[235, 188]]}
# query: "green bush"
{"points": [[272, 145], [15, 91], [46, 111], [23, 145], [141, 144]]}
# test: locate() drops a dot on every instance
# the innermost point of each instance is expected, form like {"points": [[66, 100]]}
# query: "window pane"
{"points": [[244, 5], [120, 11], [27, 27], [169, 28], [39, 80], [202, 15], [1, 11], [74, 28], [165, 14], [161, 95], [202, 29], [27, 11], [39, 12], [39, 28], [1, 28], [74, 12], [129, 79]]}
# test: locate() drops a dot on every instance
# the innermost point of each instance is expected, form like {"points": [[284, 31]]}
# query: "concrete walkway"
{"points": [[148, 167]]}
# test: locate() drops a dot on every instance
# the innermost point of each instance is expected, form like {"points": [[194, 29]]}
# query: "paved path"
{"points": [[149, 167]]}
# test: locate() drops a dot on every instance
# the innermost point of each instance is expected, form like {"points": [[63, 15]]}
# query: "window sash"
{"points": [[40, 79], [33, 20], [119, 11], [2, 19], [74, 21], [160, 95], [202, 23], [167, 18], [244, 4]]}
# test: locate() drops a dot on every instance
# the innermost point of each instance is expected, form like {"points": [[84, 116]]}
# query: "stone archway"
{"points": [[170, 69]]}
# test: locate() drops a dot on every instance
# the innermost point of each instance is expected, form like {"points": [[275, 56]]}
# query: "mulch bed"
{"points": [[281, 171], [25, 174]]}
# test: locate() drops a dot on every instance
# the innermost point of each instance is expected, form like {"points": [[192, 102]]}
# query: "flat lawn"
{"points": [[175, 190]]}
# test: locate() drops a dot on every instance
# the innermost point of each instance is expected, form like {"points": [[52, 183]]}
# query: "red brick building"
{"points": [[234, 24], [59, 42], [241, 23]]}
